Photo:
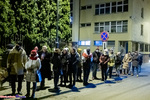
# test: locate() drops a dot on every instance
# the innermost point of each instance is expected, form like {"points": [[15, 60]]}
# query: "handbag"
{"points": [[38, 76]]}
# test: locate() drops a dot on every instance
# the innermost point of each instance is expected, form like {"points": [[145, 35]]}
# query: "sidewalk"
{"points": [[69, 94]]}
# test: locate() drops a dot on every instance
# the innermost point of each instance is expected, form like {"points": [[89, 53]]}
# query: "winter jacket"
{"points": [[74, 59], [127, 58], [135, 60], [16, 61], [46, 67], [96, 56], [117, 60], [32, 66], [65, 61], [56, 61], [104, 59], [111, 62]]}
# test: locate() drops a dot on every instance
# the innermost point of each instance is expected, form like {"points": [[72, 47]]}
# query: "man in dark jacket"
{"points": [[46, 68], [86, 57], [73, 61], [56, 61], [96, 56], [140, 61]]}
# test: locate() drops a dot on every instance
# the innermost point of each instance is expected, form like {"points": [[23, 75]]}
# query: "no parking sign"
{"points": [[104, 36]]}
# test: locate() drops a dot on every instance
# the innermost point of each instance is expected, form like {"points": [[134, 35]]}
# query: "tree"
{"points": [[7, 22]]}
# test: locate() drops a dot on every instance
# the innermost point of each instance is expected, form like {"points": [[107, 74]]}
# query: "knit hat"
{"points": [[34, 52]]}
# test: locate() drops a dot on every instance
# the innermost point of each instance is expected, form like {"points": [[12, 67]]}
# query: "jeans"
{"points": [[13, 80], [110, 71], [117, 69], [104, 73], [73, 72], [34, 88], [64, 77], [139, 68], [136, 70], [86, 72], [56, 78], [95, 66]]}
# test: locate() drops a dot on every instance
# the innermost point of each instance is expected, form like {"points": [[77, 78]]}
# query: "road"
{"points": [[126, 88]]}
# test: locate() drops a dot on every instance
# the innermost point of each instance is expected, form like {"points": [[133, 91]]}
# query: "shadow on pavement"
{"points": [[4, 88], [143, 75]]}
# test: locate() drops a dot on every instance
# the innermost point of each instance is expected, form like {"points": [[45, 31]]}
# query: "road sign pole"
{"points": [[104, 45]]}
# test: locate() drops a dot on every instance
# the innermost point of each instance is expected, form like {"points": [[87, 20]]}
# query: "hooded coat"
{"points": [[32, 66]]}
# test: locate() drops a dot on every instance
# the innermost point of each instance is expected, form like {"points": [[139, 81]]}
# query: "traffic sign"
{"points": [[104, 36]]}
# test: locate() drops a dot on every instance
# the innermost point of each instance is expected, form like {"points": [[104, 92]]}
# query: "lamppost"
{"points": [[57, 40]]}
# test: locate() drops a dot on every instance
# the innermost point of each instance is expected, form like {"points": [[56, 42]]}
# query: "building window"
{"points": [[98, 43], [86, 7], [85, 24], [111, 43], [142, 12], [84, 43], [141, 29], [112, 27], [112, 7], [146, 47], [142, 47]]}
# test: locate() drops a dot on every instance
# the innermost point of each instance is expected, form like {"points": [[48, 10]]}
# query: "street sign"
{"points": [[104, 36]]}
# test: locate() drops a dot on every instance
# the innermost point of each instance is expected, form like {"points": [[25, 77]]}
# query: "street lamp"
{"points": [[57, 40]]}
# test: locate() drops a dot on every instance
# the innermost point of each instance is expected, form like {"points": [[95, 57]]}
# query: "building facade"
{"points": [[126, 21]]}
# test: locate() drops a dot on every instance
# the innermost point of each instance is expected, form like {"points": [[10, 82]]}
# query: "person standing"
{"points": [[104, 59], [129, 63], [135, 62], [126, 61], [56, 61], [64, 68], [111, 63], [140, 62], [79, 75], [86, 57], [32, 66], [96, 55], [46, 68], [118, 63], [73, 61], [16, 62]]}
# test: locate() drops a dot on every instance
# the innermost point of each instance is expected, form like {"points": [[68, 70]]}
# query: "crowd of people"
{"points": [[69, 65]]}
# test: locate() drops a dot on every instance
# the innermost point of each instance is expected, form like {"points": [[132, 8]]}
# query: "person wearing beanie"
{"points": [[56, 61], [32, 66], [16, 62]]}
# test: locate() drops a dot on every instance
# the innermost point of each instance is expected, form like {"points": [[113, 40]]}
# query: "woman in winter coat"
{"points": [[135, 62], [46, 68], [64, 68], [32, 66], [125, 61]]}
